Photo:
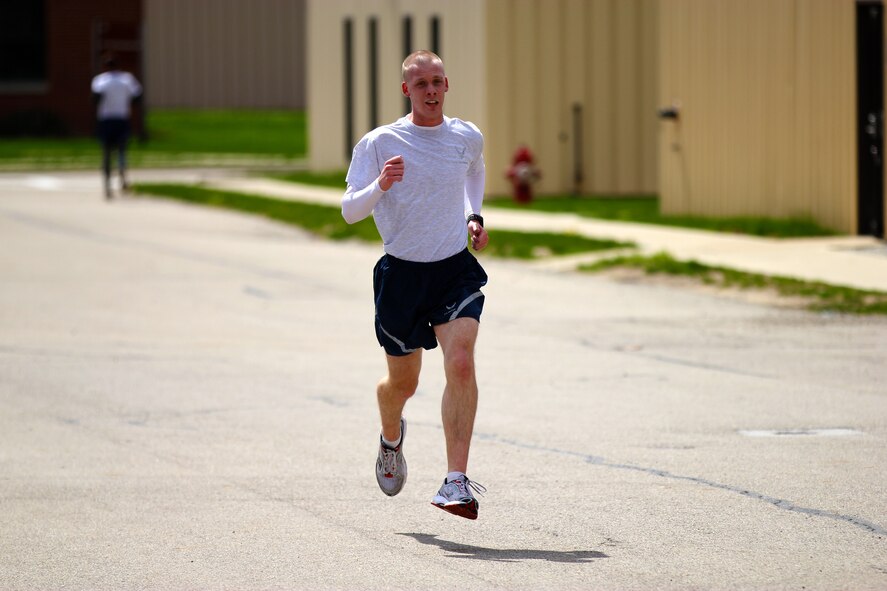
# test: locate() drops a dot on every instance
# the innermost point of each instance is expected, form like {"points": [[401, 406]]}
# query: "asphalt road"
{"points": [[187, 402]]}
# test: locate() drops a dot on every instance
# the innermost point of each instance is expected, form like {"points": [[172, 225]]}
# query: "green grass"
{"points": [[253, 137], [531, 245], [645, 209], [641, 209], [28, 150], [327, 222], [334, 179], [819, 296], [268, 133], [322, 220], [175, 133]]}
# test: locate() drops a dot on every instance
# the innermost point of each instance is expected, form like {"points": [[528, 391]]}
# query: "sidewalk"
{"points": [[852, 261]]}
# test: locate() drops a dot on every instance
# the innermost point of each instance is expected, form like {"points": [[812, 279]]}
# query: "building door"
{"points": [[870, 115]]}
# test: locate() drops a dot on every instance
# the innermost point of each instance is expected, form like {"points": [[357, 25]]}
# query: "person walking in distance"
{"points": [[114, 91], [422, 179]]}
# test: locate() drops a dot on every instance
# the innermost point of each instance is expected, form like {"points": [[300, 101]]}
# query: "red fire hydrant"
{"points": [[523, 173]]}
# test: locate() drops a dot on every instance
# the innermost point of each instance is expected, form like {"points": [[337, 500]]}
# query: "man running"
{"points": [[422, 179]]}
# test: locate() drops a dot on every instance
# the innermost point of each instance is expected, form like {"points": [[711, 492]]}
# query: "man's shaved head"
{"points": [[419, 57]]}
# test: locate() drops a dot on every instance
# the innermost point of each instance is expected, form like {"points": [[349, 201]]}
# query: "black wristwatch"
{"points": [[476, 218]]}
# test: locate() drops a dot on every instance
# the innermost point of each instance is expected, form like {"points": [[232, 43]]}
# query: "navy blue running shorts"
{"points": [[412, 298], [113, 132]]}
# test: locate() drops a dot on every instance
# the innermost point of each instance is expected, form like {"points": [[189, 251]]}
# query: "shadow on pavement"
{"points": [[504, 554]]}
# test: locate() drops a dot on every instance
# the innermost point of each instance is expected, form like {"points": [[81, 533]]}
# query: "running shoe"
{"points": [[391, 467], [455, 497]]}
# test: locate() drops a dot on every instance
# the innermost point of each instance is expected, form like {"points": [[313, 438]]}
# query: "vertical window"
{"points": [[347, 35], [22, 41], [435, 34], [407, 28], [374, 73], [407, 49]]}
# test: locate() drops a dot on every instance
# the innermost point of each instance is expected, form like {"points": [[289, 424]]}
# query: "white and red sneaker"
{"points": [[455, 497], [391, 467]]}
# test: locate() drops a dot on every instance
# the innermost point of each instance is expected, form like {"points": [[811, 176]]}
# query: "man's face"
{"points": [[425, 86]]}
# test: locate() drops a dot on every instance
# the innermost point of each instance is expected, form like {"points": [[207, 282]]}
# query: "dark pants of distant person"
{"points": [[114, 135]]}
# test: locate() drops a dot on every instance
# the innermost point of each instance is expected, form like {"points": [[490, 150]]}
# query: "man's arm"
{"points": [[358, 204], [474, 198], [474, 192]]}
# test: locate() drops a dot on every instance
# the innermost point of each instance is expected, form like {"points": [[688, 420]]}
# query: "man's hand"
{"points": [[392, 172], [479, 236]]}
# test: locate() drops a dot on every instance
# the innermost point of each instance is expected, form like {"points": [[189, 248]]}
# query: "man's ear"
{"points": [[405, 89]]}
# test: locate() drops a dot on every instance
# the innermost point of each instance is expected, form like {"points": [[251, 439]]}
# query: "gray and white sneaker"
{"points": [[391, 467], [455, 497]]}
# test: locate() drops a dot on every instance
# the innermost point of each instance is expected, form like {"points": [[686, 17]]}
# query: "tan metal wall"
{"points": [[225, 53], [516, 67], [544, 56], [767, 100], [462, 30]]}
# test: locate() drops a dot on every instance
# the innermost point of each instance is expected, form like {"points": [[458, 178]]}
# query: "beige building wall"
{"points": [[516, 69], [546, 56], [461, 47], [767, 94], [225, 53]]}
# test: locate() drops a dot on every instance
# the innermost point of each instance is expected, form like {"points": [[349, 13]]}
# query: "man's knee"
{"points": [[403, 376], [460, 364], [403, 386]]}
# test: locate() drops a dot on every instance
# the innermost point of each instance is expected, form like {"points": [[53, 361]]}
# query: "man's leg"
{"points": [[458, 408], [393, 392], [121, 164], [106, 168], [459, 404], [395, 389]]}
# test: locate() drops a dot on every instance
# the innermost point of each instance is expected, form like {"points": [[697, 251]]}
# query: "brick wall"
{"points": [[75, 33]]}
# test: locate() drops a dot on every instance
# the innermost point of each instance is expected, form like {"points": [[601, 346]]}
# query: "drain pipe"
{"points": [[578, 176]]}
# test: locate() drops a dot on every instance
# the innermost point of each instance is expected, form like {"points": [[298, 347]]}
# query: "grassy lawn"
{"points": [[641, 209], [187, 136], [174, 133], [818, 296], [322, 220], [645, 209], [324, 179], [327, 222], [196, 137], [266, 133]]}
